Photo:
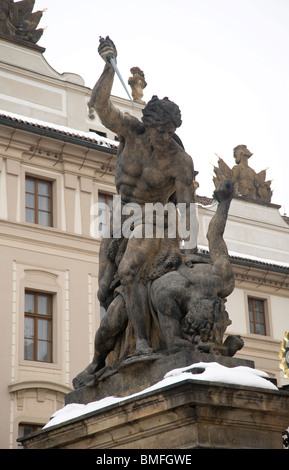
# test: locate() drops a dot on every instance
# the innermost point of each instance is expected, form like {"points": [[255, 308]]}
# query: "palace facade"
{"points": [[57, 162]]}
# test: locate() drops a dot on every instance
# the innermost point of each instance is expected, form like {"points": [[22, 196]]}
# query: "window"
{"points": [[104, 212], [257, 317], [25, 429], [38, 201], [38, 327]]}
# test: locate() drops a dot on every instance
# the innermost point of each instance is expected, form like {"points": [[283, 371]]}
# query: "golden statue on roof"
{"points": [[284, 355]]}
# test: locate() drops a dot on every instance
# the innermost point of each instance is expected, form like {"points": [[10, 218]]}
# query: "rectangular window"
{"points": [[257, 317], [104, 212], [25, 429], [38, 327], [38, 201]]}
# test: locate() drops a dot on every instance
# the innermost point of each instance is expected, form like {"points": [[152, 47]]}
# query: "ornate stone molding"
{"points": [[266, 277], [38, 384]]}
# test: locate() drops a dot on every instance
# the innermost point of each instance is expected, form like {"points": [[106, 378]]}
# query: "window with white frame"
{"points": [[257, 315], [38, 201], [25, 429], [38, 317]]}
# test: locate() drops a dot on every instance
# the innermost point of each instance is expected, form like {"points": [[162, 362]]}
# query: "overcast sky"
{"points": [[224, 62]]}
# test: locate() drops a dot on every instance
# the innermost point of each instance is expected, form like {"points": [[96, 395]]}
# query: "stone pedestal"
{"points": [[186, 415], [138, 373]]}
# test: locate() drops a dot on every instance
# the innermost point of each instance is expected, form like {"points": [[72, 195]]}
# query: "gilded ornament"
{"points": [[284, 355]]}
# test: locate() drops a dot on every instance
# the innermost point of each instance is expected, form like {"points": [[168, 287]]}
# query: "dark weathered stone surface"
{"points": [[139, 373], [187, 415], [186, 307]]}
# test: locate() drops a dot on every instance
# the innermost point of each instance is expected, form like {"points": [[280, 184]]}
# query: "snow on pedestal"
{"points": [[211, 372]]}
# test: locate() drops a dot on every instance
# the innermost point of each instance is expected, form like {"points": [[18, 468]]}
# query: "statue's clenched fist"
{"points": [[107, 49]]}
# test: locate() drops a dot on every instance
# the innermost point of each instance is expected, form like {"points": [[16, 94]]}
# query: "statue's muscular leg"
{"points": [[113, 323], [135, 291]]}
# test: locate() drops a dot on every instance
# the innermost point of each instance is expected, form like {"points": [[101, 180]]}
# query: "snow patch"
{"points": [[213, 372]]}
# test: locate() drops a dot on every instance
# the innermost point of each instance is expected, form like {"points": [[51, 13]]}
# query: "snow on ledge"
{"points": [[236, 254], [104, 141], [213, 372]]}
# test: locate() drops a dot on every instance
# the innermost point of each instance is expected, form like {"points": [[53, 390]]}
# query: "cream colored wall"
{"points": [[252, 229], [75, 316], [62, 260], [236, 308], [263, 350], [278, 307]]}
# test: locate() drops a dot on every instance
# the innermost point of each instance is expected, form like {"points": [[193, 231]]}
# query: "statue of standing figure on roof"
{"points": [[160, 295], [18, 22], [137, 83], [247, 182]]}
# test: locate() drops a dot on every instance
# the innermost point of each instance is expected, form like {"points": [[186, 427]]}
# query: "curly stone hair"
{"points": [[161, 111], [206, 320]]}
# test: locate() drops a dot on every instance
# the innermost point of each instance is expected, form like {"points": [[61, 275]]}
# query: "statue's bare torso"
{"points": [[148, 175]]}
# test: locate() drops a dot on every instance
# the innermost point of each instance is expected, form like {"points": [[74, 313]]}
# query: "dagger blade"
{"points": [[115, 67]]}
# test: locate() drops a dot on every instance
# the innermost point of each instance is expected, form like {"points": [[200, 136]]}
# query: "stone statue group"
{"points": [[160, 295]]}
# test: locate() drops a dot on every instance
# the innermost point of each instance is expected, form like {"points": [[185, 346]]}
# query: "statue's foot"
{"points": [[83, 379], [143, 348], [87, 378]]}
